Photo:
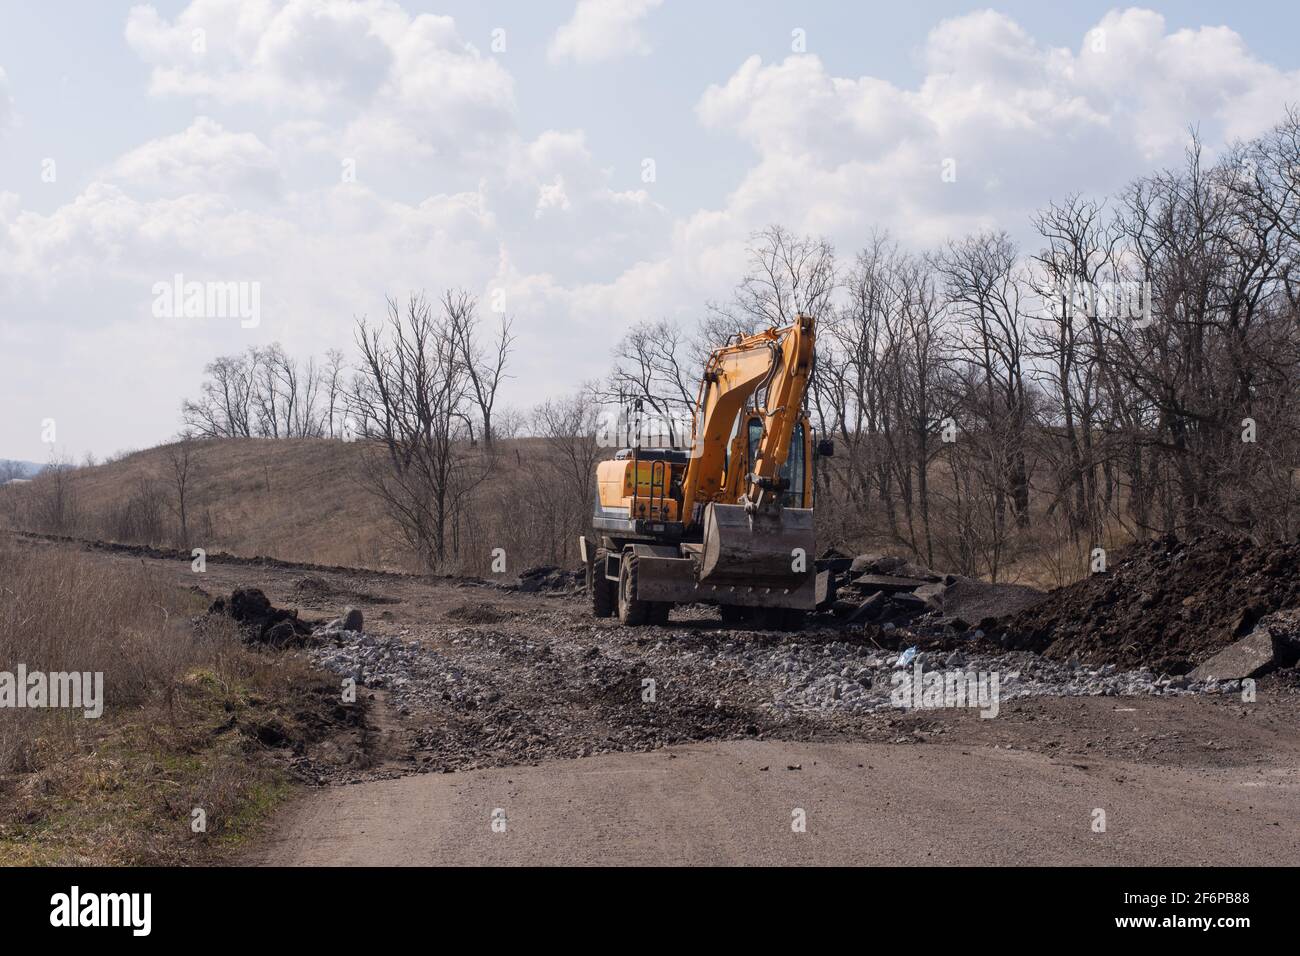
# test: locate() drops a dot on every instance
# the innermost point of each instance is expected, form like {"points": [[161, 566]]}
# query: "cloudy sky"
{"points": [[584, 164]]}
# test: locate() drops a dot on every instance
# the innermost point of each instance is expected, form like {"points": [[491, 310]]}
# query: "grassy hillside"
{"points": [[302, 500], [178, 727], [295, 499]]}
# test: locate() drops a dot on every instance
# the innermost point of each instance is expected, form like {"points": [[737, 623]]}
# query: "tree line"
{"points": [[1133, 373]]}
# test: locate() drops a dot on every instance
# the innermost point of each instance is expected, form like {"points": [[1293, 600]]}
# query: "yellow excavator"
{"points": [[729, 520]]}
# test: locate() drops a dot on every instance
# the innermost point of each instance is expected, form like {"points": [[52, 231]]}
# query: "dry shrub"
{"points": [[63, 611]]}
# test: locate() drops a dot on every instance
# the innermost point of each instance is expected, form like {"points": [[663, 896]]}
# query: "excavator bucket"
{"points": [[772, 548]]}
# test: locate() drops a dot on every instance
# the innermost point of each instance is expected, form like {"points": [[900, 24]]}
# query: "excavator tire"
{"points": [[780, 618], [733, 614], [631, 611], [604, 595]]}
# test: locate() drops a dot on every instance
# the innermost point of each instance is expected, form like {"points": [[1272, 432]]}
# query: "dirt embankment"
{"points": [[194, 737], [1167, 605]]}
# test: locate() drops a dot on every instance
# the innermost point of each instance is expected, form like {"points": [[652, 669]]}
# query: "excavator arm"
{"points": [[777, 360], [750, 539]]}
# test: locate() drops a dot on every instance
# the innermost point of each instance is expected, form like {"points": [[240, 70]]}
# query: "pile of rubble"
{"points": [[259, 622], [1170, 605], [885, 590], [849, 676], [1274, 643], [549, 578]]}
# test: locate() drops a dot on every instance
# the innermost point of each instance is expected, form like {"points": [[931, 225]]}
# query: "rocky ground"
{"points": [[476, 695], [810, 676], [459, 675]]}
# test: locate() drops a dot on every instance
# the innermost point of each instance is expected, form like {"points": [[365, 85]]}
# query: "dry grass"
{"points": [[179, 728], [60, 612], [1048, 557], [299, 500], [294, 499]]}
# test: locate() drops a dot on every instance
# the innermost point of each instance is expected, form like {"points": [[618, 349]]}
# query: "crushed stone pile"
{"points": [[1167, 604]]}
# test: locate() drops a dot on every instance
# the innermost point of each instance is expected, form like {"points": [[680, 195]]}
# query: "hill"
{"points": [[299, 499], [304, 500], [295, 499]]}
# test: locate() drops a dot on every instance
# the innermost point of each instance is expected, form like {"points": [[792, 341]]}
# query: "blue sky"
{"points": [[521, 170], [75, 73]]}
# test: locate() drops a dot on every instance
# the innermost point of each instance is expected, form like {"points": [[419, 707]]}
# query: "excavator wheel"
{"points": [[780, 618], [603, 593], [631, 611], [734, 613]]}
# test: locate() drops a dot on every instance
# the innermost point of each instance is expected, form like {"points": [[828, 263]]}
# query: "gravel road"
{"points": [[736, 803]]}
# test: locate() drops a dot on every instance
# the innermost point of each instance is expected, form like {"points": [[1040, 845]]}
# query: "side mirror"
{"points": [[826, 448]]}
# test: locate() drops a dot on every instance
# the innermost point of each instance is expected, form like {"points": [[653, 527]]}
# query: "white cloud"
{"points": [[452, 191], [602, 30], [203, 158], [565, 216], [362, 80], [304, 53], [1024, 123], [322, 56]]}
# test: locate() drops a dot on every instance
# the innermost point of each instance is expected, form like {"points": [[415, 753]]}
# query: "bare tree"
{"points": [[1077, 261], [653, 364], [1220, 348], [571, 452], [484, 370], [267, 393], [411, 401], [986, 292], [785, 275], [181, 461], [54, 499], [332, 383], [224, 410]]}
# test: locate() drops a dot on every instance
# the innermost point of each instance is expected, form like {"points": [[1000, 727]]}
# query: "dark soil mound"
{"points": [[550, 578], [479, 614], [1167, 604], [978, 602], [259, 622], [313, 586]]}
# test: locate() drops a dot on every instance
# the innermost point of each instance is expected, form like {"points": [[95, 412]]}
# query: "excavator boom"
{"points": [[778, 360]]}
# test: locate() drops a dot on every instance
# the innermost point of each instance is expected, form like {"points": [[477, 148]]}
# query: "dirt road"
{"points": [[734, 803], [610, 744]]}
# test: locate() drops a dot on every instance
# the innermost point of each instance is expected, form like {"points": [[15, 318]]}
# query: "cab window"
{"points": [[793, 469]]}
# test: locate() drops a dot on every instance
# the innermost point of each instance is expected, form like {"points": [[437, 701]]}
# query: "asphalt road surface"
{"points": [[736, 803]]}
